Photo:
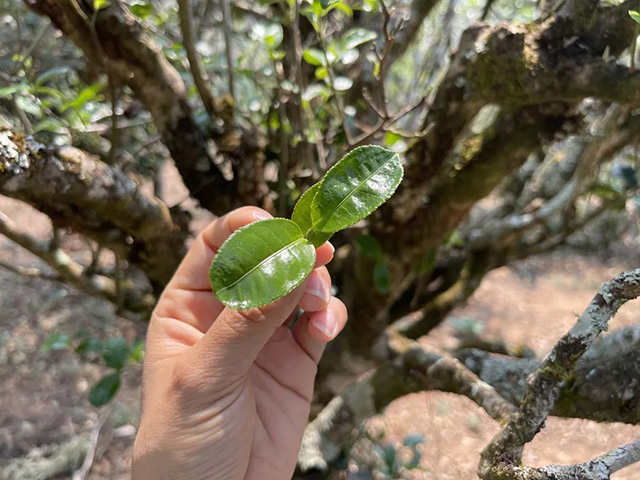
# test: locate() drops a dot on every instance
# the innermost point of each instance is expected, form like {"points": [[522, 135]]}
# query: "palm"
{"points": [[282, 380], [227, 393]]}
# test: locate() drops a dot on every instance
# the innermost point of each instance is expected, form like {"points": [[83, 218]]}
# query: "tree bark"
{"points": [[78, 191]]}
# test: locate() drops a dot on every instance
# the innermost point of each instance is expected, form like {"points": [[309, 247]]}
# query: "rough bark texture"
{"points": [[523, 81], [79, 191], [414, 369], [611, 365], [118, 44], [504, 453]]}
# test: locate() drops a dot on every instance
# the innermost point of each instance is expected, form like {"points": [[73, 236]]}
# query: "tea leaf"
{"points": [[103, 391], [260, 263], [302, 216], [353, 188], [116, 352]]}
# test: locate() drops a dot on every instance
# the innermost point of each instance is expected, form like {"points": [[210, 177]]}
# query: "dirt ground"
{"points": [[43, 393]]}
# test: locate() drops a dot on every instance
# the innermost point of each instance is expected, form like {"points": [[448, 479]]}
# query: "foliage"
{"points": [[116, 353], [510, 147], [266, 260]]}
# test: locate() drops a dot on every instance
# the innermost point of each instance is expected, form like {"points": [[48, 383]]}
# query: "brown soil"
{"points": [[43, 393]]}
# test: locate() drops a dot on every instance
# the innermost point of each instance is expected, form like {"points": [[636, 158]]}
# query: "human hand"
{"points": [[226, 394]]}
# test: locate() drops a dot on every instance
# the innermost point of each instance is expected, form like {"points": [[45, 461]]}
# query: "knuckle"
{"points": [[255, 315]]}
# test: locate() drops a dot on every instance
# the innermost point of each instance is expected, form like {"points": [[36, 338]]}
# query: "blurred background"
{"points": [[127, 126]]}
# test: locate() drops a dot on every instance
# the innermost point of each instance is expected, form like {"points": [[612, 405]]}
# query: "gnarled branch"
{"points": [[80, 192], [501, 458]]}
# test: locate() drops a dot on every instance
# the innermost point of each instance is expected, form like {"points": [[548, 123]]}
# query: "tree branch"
{"points": [[504, 452], [117, 42], [415, 368], [197, 71], [79, 191], [75, 274]]}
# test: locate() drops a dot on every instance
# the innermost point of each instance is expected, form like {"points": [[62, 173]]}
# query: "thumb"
{"points": [[231, 345]]}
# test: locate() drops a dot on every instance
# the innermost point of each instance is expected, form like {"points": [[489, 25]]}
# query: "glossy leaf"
{"points": [[353, 188], [302, 217], [103, 391], [313, 56], [635, 15], [342, 84], [260, 263], [358, 36]]}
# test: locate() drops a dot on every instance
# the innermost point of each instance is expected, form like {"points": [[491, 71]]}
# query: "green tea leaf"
{"points": [[342, 84], [358, 36], [89, 345], [353, 188], [260, 263], [116, 352], [11, 89], [103, 391], [86, 95], [141, 9], [137, 352], [313, 56], [302, 216], [635, 15], [100, 4]]}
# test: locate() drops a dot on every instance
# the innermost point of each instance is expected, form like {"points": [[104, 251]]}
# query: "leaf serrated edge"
{"points": [[384, 199]]}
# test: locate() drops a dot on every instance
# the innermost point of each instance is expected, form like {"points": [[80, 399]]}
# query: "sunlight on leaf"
{"points": [[353, 188], [260, 263]]}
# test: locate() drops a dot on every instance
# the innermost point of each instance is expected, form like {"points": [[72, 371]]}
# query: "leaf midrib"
{"points": [[320, 224], [286, 247]]}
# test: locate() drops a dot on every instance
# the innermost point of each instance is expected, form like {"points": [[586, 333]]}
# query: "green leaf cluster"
{"points": [[115, 352], [265, 260]]}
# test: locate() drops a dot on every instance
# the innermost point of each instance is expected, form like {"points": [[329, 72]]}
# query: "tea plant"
{"points": [[265, 260]]}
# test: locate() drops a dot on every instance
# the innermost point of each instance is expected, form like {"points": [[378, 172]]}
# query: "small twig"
{"points": [[29, 272], [636, 32], [228, 45], [505, 450], [284, 161], [34, 44], [332, 82], [69, 270], [297, 44], [85, 468], [486, 9], [197, 71], [115, 132]]}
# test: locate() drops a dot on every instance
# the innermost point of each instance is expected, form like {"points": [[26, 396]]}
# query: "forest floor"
{"points": [[46, 419]]}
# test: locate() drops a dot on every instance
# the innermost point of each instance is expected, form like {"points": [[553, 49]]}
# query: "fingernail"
{"points": [[333, 249], [261, 215], [318, 287], [327, 325]]}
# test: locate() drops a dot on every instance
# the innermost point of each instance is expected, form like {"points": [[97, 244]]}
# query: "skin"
{"points": [[226, 393]]}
